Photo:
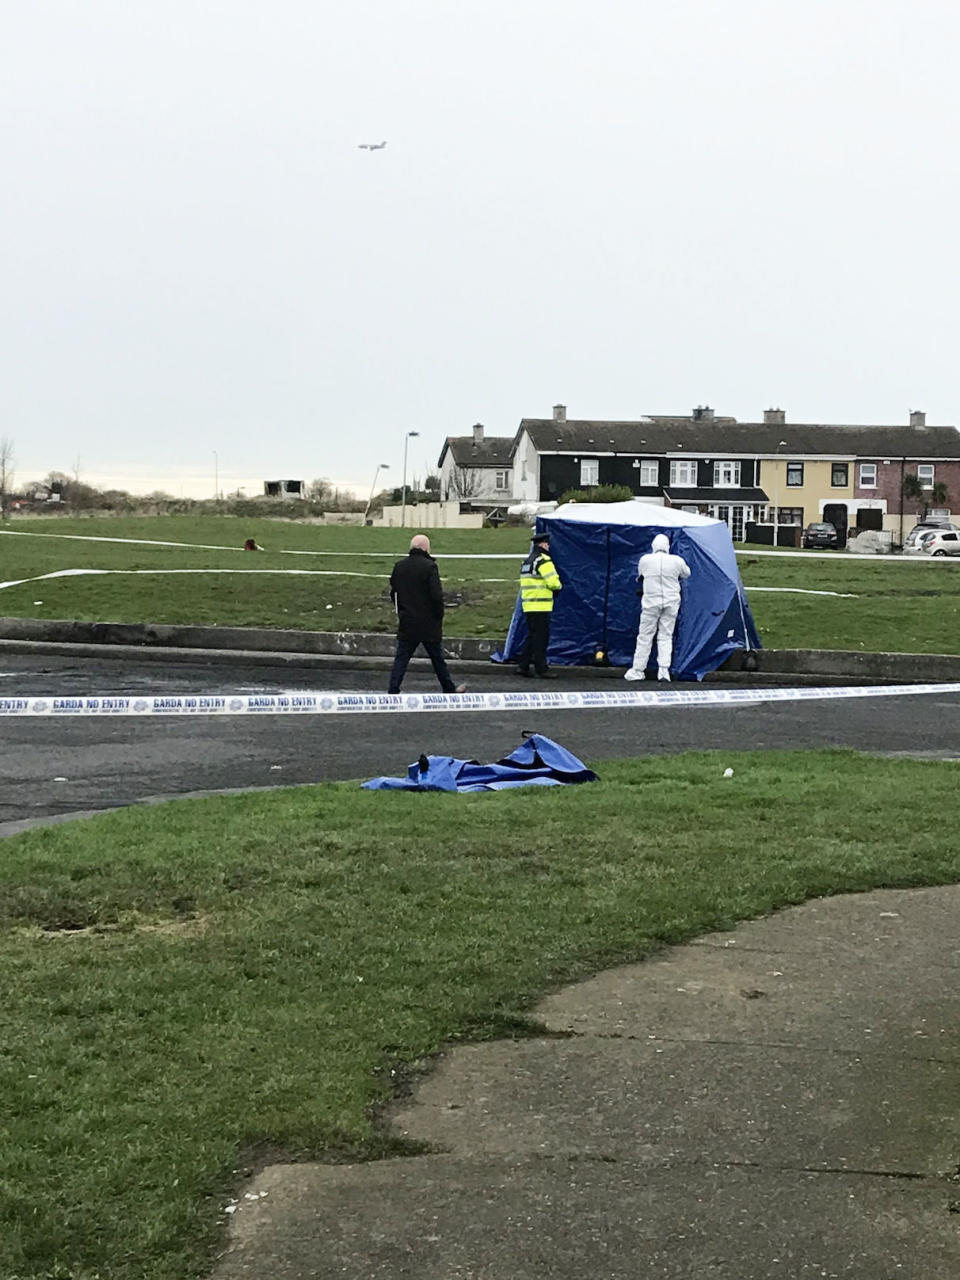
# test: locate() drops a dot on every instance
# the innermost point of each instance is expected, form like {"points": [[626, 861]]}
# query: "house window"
{"points": [[589, 472], [649, 472], [683, 472], [868, 475], [726, 475], [925, 474], [502, 480], [794, 475], [839, 475], [790, 515]]}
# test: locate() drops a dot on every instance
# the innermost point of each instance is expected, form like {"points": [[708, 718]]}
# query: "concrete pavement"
{"points": [[374, 650], [781, 1100]]}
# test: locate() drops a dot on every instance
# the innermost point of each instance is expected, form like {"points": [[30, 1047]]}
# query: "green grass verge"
{"points": [[191, 985], [351, 593], [909, 606]]}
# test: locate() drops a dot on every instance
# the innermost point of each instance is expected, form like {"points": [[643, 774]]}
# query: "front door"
{"points": [[835, 513]]}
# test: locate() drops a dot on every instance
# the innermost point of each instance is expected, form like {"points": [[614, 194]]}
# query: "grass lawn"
{"points": [[349, 593], [193, 986], [908, 606]]}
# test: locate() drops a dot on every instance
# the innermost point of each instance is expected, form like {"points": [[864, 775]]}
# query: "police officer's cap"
{"points": [[540, 537]]}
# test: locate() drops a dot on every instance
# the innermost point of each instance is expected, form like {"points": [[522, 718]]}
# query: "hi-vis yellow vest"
{"points": [[538, 582]]}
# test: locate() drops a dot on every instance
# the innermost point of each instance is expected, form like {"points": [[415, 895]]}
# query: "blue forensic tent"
{"points": [[596, 546], [537, 762]]}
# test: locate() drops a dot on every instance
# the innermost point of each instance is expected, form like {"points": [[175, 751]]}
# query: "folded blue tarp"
{"points": [[537, 762]]}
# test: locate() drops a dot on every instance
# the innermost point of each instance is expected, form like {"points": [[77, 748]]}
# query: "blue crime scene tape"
{"points": [[296, 703]]}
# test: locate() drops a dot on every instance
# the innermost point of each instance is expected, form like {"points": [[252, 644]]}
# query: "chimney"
{"points": [[559, 413], [774, 417], [918, 418], [478, 433], [702, 413]]}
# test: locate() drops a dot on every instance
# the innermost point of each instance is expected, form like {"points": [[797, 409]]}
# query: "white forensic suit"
{"points": [[662, 574]]}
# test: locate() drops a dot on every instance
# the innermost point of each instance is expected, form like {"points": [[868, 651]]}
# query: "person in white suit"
{"points": [[661, 574]]}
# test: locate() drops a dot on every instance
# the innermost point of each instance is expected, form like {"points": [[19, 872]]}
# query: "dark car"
{"points": [[819, 535]]}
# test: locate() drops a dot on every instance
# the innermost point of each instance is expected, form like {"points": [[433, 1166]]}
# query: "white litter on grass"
{"points": [[61, 779], [728, 773]]}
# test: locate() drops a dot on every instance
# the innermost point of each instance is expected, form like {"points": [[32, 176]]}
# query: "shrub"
{"points": [[602, 493]]}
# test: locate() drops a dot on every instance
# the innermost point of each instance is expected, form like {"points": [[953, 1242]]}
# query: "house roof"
{"points": [[727, 437], [494, 451]]}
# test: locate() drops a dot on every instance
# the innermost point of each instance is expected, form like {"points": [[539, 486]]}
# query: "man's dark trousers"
{"points": [[406, 648], [535, 646]]}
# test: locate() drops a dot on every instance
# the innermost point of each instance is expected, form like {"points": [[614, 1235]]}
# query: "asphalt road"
{"points": [[51, 768]]}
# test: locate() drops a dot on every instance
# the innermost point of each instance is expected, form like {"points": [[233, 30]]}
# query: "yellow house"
{"points": [[802, 488]]}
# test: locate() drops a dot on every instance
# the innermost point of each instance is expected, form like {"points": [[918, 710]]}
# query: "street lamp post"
{"points": [[776, 495], [216, 477], [403, 500], [381, 466]]}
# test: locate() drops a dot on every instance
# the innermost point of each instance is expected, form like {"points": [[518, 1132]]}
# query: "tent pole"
{"points": [[606, 601], [743, 621]]}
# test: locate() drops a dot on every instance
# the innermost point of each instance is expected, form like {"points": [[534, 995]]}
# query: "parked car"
{"points": [[933, 542], [924, 527], [819, 535]]}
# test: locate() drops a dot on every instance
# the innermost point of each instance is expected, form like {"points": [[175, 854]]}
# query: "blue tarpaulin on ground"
{"points": [[596, 546], [537, 762]]}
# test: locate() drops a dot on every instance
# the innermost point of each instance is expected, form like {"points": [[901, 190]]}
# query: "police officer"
{"points": [[539, 583]]}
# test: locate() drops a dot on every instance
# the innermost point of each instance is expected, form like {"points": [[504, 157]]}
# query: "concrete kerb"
{"points": [[262, 646]]}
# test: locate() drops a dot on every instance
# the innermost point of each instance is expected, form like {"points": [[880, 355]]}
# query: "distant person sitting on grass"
{"points": [[418, 599], [251, 545]]}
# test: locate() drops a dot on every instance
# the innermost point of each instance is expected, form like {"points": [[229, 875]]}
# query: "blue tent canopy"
{"points": [[596, 546]]}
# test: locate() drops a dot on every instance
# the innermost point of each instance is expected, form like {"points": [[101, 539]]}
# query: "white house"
{"points": [[477, 470]]}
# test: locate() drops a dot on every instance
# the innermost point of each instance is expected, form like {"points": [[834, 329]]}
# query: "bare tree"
{"points": [[464, 482], [6, 473]]}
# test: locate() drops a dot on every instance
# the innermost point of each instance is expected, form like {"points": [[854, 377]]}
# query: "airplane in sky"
{"points": [[371, 146]]}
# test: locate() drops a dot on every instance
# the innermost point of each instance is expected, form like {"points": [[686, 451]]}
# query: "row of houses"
{"points": [[769, 472]]}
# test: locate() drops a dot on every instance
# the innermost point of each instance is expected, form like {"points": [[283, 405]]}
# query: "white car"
{"points": [[933, 542]]}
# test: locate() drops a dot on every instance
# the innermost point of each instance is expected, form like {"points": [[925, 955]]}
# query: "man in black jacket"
{"points": [[418, 598]]}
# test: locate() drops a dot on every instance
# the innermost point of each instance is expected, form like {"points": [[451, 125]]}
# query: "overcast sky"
{"points": [[629, 208]]}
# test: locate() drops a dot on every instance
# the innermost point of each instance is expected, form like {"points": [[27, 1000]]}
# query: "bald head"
{"points": [[420, 542]]}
